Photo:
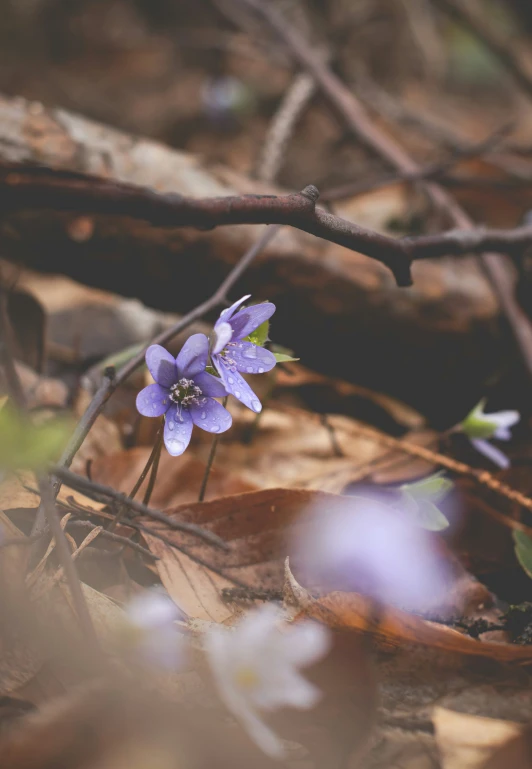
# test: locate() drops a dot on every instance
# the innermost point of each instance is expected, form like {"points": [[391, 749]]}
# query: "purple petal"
{"points": [[367, 547], [250, 358], [223, 333], [193, 356], [491, 452], [153, 401], [247, 320], [237, 385], [177, 430], [211, 416], [228, 313], [161, 365], [210, 385]]}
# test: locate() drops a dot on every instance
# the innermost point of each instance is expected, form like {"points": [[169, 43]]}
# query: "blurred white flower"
{"points": [[256, 669], [150, 632], [479, 426], [365, 546]]}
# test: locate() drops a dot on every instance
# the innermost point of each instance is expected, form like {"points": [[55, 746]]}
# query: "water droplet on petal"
{"points": [[231, 380], [237, 393], [215, 428], [249, 352], [261, 370], [177, 446], [255, 405], [249, 370], [204, 415], [171, 425]]}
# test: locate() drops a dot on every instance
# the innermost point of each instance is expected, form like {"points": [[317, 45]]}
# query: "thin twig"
{"points": [[90, 488], [431, 172], [188, 554], [65, 557], [281, 128], [210, 460], [480, 476], [106, 534]]}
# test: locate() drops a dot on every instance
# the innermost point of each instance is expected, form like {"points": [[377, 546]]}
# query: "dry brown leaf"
{"points": [[257, 527], [295, 448], [20, 491], [103, 439], [394, 627], [472, 742], [290, 448]]}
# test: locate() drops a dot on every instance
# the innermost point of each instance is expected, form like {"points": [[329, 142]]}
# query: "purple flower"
{"points": [[479, 426], [232, 354], [184, 393], [363, 545]]}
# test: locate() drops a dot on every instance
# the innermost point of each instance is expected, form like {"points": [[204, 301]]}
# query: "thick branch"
{"points": [[33, 187]]}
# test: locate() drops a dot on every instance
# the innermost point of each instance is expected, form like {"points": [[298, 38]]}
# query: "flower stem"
{"points": [[156, 454], [210, 461], [151, 459]]}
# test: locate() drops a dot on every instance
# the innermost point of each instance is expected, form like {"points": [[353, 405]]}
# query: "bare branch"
{"points": [[90, 488]]}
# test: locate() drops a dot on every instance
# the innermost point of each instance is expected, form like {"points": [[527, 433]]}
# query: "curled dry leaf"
{"points": [[352, 611], [473, 742]]}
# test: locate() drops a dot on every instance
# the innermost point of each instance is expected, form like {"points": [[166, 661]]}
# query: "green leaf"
{"points": [[476, 424], [260, 335], [24, 444], [433, 488], [523, 550], [280, 357]]}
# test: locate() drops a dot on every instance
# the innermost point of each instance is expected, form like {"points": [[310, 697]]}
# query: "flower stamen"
{"points": [[185, 393]]}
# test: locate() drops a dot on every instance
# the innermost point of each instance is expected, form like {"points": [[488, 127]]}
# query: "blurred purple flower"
{"points": [[365, 546], [232, 353], [184, 393]]}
